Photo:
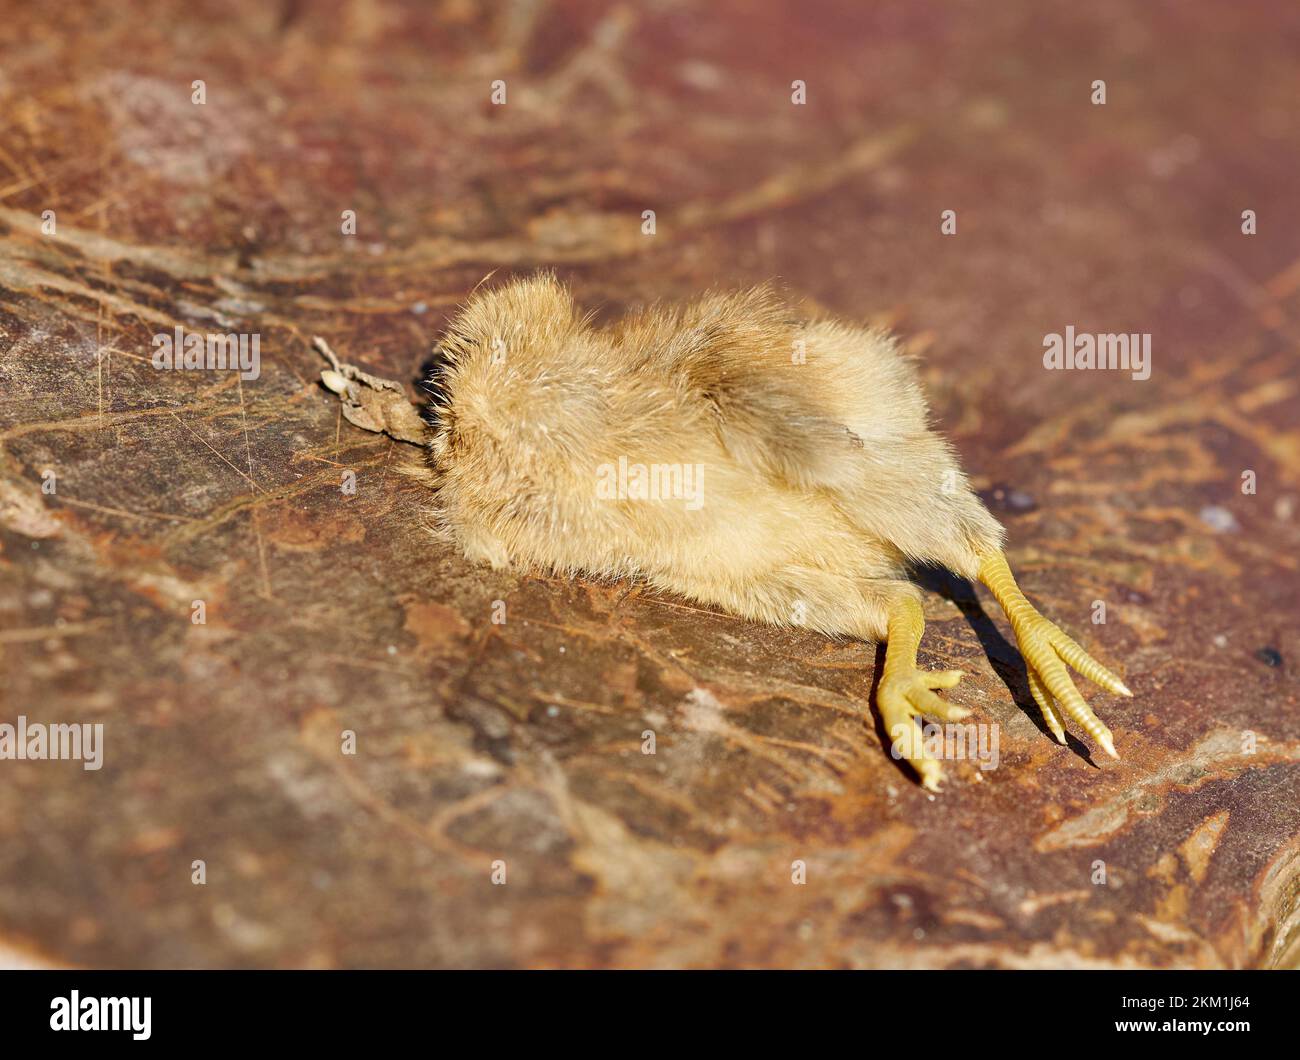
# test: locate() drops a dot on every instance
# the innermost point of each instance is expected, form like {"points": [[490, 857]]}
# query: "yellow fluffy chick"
{"points": [[726, 451]]}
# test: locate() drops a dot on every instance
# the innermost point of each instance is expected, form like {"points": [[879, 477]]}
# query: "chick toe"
{"points": [[1047, 705], [1047, 650]]}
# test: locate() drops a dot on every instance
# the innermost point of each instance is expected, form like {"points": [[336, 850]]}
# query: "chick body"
{"points": [[820, 477]]}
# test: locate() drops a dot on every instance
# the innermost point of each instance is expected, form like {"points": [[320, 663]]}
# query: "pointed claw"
{"points": [[926, 702], [944, 678], [1108, 744], [1075, 656]]}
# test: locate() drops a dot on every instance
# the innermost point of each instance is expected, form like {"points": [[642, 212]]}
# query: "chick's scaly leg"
{"points": [[904, 694], [1047, 650]]}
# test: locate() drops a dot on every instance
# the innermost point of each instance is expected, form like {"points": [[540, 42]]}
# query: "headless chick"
{"points": [[724, 450]]}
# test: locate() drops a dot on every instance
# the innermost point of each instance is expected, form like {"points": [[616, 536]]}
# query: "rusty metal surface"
{"points": [[521, 742]]}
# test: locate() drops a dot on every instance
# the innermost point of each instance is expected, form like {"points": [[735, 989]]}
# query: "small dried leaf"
{"points": [[371, 403]]}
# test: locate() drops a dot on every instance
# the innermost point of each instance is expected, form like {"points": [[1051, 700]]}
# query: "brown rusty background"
{"points": [[522, 742]]}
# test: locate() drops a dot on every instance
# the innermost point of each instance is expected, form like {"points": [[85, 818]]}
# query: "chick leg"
{"points": [[1047, 650], [872, 603], [904, 694]]}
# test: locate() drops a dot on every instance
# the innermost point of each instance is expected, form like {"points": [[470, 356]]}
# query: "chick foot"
{"points": [[1047, 650], [905, 693]]}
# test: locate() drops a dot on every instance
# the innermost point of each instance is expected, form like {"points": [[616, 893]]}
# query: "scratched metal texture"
{"points": [[521, 742]]}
